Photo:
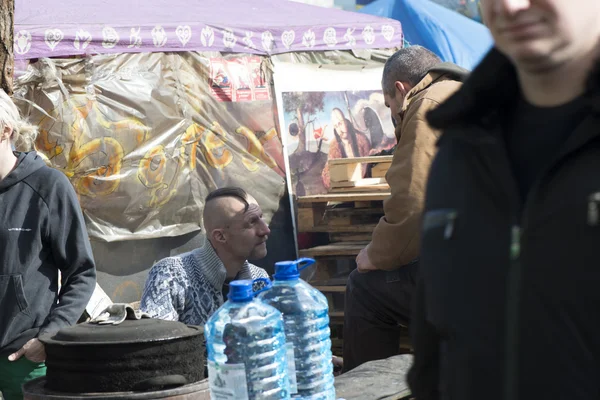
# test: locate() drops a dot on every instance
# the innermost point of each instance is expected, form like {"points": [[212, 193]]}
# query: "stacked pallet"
{"points": [[347, 215], [347, 174]]}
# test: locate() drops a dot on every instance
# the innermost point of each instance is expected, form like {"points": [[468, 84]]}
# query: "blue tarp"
{"points": [[450, 35]]}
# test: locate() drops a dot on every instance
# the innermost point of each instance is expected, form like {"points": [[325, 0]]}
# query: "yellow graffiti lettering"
{"points": [[192, 136], [101, 180], [256, 152], [271, 133], [151, 173], [97, 180], [80, 107], [44, 146], [130, 125], [214, 148], [151, 170]]}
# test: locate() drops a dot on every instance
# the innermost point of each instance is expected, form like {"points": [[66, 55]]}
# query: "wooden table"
{"points": [[376, 380]]}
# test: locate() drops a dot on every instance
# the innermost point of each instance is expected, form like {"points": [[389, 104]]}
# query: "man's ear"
{"points": [[401, 89], [6, 133], [218, 236]]}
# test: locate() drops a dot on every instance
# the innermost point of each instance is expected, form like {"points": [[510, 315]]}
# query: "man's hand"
{"points": [[33, 350], [363, 263]]}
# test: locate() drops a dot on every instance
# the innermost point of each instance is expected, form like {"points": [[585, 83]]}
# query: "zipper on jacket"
{"points": [[515, 243], [512, 315], [593, 217], [449, 229]]}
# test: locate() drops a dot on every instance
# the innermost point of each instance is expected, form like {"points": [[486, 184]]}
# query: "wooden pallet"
{"points": [[346, 174], [351, 169], [344, 218], [349, 219], [357, 198]]}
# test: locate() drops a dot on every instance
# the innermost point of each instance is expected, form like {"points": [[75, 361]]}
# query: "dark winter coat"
{"points": [[508, 304]]}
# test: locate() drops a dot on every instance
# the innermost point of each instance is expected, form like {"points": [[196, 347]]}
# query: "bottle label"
{"points": [[291, 360], [227, 381]]}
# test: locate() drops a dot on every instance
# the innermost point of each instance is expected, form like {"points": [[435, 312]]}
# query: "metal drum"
{"points": [[36, 390], [136, 359], [135, 356]]}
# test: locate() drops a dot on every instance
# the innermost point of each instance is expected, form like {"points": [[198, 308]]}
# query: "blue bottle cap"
{"points": [[286, 271], [240, 291], [290, 270]]}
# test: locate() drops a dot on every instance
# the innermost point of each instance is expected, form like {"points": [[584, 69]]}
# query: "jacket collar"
{"points": [[441, 72], [213, 268], [419, 87], [491, 86]]}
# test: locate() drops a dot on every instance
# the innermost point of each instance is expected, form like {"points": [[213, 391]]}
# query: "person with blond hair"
{"points": [[42, 232]]}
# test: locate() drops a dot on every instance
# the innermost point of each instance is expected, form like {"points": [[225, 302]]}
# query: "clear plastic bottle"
{"points": [[246, 348], [306, 317]]}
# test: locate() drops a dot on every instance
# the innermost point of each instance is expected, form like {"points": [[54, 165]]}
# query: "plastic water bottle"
{"points": [[246, 347], [306, 317]]}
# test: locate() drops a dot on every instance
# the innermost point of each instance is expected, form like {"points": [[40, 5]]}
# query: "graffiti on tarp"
{"points": [[143, 139], [102, 174]]}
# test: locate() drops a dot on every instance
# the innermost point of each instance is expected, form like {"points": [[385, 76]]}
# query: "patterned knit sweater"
{"points": [[189, 288]]}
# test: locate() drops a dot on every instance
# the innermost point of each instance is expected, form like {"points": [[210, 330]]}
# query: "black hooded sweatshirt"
{"points": [[42, 231]]}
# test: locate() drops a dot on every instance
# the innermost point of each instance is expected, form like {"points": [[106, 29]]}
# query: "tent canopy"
{"points": [[452, 36], [71, 27]]}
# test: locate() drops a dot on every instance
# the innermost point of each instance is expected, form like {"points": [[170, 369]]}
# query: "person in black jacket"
{"points": [[42, 232], [508, 297]]}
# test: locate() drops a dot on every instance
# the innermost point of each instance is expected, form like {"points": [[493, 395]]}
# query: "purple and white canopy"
{"points": [[45, 28]]}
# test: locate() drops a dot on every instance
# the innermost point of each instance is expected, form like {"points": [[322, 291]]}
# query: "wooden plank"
{"points": [[380, 379], [305, 219], [341, 228], [339, 221], [335, 249], [352, 216], [359, 183], [311, 216], [379, 170], [339, 218], [333, 212], [352, 236], [354, 160], [343, 197], [345, 172], [370, 188]]}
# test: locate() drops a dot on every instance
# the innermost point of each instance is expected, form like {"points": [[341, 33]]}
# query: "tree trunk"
{"points": [[7, 15], [301, 133]]}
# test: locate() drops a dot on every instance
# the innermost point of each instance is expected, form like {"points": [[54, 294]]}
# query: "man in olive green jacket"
{"points": [[379, 292]]}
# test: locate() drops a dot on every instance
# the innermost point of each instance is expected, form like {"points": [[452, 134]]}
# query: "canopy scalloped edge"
{"points": [[68, 40]]}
